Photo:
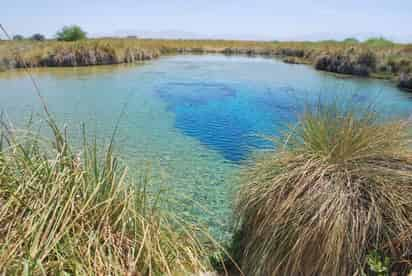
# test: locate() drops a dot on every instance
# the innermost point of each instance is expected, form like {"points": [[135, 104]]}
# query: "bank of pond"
{"points": [[378, 60]]}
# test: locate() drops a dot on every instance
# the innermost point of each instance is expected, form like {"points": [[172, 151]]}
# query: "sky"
{"points": [[230, 19]]}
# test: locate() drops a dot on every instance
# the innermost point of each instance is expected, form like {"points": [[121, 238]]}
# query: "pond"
{"points": [[193, 120]]}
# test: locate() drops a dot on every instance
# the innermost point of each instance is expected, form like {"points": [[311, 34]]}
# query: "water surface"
{"points": [[193, 119]]}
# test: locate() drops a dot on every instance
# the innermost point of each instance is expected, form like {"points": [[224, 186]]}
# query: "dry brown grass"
{"points": [[390, 59], [338, 186]]}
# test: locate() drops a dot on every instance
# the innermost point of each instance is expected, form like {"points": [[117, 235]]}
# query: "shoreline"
{"points": [[339, 58]]}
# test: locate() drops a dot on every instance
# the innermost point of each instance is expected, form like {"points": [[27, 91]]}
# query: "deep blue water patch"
{"points": [[229, 118]]}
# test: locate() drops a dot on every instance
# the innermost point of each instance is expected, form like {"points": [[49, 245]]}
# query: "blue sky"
{"points": [[233, 19]]}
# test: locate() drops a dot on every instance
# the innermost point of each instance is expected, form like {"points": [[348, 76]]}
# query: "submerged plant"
{"points": [[338, 186], [67, 213]]}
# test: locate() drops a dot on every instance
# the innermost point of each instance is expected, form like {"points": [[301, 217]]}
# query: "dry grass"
{"points": [[67, 213], [390, 59], [338, 186]]}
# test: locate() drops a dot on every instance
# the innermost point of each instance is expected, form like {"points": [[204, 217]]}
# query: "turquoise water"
{"points": [[193, 119]]}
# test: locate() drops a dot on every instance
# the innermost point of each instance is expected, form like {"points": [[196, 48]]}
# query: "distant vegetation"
{"points": [[379, 42], [71, 33], [35, 37], [18, 37], [329, 41], [351, 40], [334, 198], [38, 37], [376, 57]]}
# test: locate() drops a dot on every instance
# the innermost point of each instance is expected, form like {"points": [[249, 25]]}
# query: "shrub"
{"points": [[38, 37], [351, 40], [338, 187], [71, 33], [18, 37], [66, 213]]}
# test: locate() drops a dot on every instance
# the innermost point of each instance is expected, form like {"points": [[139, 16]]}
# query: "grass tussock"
{"points": [[62, 212], [338, 187]]}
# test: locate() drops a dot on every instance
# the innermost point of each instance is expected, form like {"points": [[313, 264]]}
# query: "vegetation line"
{"points": [[375, 57]]}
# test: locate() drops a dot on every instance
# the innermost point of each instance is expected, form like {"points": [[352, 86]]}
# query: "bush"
{"points": [[63, 213], [338, 187], [71, 33], [38, 37], [351, 40], [18, 37]]}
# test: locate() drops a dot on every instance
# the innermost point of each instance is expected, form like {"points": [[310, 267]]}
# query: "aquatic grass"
{"points": [[338, 186], [76, 213]]}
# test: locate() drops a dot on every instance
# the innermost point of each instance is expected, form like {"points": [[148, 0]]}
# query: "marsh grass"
{"points": [[77, 213], [338, 187], [392, 59]]}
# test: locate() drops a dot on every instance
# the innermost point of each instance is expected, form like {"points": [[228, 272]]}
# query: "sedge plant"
{"points": [[337, 187], [67, 213]]}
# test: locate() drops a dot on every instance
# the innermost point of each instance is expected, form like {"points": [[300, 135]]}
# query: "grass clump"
{"points": [[67, 213], [338, 187]]}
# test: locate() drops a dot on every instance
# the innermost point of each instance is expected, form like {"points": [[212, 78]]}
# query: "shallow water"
{"points": [[193, 118]]}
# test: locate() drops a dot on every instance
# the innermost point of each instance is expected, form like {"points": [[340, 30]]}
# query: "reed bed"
{"points": [[337, 188]]}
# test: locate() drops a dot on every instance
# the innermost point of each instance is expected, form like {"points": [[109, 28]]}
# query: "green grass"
{"points": [[338, 187], [67, 212]]}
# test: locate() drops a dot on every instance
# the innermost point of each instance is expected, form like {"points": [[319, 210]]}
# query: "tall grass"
{"points": [[338, 187], [63, 212], [392, 59]]}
